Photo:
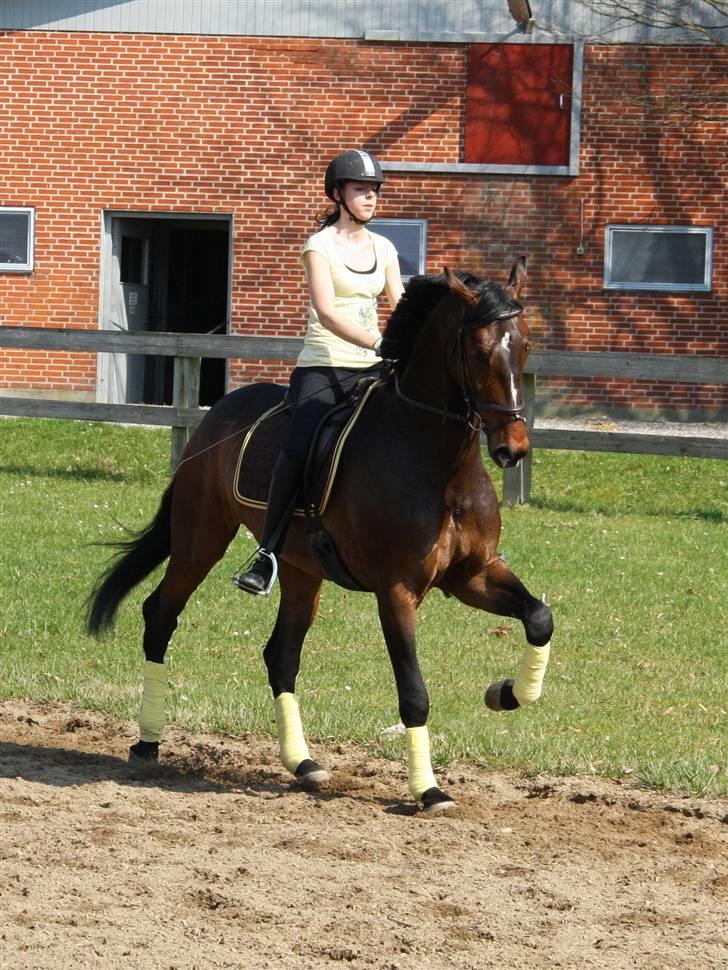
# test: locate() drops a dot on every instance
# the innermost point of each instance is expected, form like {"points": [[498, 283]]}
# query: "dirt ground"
{"points": [[217, 862]]}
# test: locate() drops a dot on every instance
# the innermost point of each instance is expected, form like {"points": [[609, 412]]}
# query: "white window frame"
{"points": [[613, 284], [27, 266], [421, 224]]}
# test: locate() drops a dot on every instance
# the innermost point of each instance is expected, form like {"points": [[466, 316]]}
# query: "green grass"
{"points": [[631, 551]]}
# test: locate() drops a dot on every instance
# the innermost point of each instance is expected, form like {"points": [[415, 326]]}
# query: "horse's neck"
{"points": [[426, 377]]}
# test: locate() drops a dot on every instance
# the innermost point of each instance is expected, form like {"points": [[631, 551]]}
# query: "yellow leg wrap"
{"points": [[419, 767], [290, 732], [528, 684], [151, 716]]}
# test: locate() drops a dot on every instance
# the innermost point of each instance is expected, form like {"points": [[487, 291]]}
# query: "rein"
{"points": [[441, 412], [473, 418]]}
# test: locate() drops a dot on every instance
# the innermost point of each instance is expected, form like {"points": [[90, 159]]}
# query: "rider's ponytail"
{"points": [[329, 217]]}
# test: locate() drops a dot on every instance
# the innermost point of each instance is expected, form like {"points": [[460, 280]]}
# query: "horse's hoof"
{"points": [[311, 775], [499, 696], [435, 801], [144, 756]]}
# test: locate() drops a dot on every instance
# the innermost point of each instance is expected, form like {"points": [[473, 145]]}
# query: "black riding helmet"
{"points": [[351, 166]]}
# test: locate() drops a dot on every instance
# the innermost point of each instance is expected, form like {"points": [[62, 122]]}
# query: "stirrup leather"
{"points": [[244, 568]]}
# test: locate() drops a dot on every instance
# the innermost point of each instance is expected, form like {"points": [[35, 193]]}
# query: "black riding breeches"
{"points": [[313, 392]]}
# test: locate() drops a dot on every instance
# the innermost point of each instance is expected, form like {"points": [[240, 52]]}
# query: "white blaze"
{"points": [[505, 348]]}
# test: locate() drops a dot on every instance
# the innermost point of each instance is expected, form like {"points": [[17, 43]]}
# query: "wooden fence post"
{"points": [[517, 481], [185, 394]]}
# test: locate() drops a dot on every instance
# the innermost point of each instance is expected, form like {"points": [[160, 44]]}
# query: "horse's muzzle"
{"points": [[504, 457], [509, 444]]}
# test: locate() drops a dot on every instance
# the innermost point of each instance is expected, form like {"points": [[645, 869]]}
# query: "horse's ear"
{"points": [[459, 288], [518, 277]]}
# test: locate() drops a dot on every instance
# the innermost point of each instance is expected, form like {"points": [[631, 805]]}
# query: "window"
{"points": [[410, 240], [658, 258], [16, 239]]}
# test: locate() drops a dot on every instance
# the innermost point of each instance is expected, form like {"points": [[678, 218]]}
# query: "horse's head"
{"points": [[483, 341], [492, 345]]}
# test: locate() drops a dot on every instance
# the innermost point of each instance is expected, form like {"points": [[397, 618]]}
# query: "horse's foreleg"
{"points": [[398, 618], [282, 655], [497, 590]]}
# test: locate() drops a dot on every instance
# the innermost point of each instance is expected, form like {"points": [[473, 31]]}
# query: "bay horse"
{"points": [[412, 509]]}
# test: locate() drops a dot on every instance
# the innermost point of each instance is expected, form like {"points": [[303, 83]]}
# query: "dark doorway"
{"points": [[187, 269], [197, 298]]}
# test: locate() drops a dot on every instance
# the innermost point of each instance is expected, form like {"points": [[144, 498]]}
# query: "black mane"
{"points": [[421, 295]]}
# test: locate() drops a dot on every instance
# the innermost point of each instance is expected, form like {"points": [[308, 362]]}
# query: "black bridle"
{"points": [[474, 405]]}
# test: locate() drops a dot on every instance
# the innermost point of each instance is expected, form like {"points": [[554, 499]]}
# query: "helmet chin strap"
{"points": [[359, 222]]}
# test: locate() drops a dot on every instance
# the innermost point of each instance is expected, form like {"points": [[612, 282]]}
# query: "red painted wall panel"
{"points": [[519, 104]]}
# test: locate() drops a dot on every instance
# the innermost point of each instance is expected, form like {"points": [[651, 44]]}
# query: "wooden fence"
{"points": [[184, 414], [644, 367]]}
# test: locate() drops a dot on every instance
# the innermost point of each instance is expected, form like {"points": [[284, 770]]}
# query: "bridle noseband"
{"points": [[474, 405]]}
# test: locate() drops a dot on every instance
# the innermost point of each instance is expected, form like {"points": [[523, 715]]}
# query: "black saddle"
{"points": [[260, 449]]}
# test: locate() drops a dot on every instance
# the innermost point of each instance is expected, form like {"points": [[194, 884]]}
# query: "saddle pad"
{"points": [[263, 442]]}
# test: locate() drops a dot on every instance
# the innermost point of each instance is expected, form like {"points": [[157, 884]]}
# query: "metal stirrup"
{"points": [[274, 574]]}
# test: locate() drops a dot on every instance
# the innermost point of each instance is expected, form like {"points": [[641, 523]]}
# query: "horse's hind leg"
{"points": [[299, 602], [498, 590], [191, 560]]}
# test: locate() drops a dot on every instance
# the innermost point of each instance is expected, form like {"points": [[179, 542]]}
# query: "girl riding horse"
{"points": [[347, 267]]}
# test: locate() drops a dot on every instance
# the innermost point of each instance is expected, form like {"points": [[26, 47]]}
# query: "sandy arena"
{"points": [[217, 862]]}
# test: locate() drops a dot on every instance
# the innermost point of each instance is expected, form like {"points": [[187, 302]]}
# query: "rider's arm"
{"points": [[393, 283], [321, 292]]}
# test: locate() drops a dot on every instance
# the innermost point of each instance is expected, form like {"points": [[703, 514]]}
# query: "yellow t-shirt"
{"points": [[355, 295]]}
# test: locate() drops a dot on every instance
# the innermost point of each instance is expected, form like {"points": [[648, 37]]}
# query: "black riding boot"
{"points": [[259, 577]]}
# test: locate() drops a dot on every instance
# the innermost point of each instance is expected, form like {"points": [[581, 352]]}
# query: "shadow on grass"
{"points": [[715, 516], [81, 474]]}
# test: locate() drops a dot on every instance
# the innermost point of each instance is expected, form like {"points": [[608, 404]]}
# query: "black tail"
{"points": [[134, 562]]}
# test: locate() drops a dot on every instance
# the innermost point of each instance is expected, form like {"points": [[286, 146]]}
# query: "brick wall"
{"points": [[95, 122]]}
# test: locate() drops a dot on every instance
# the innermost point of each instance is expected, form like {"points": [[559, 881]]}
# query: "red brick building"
{"points": [[167, 175]]}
